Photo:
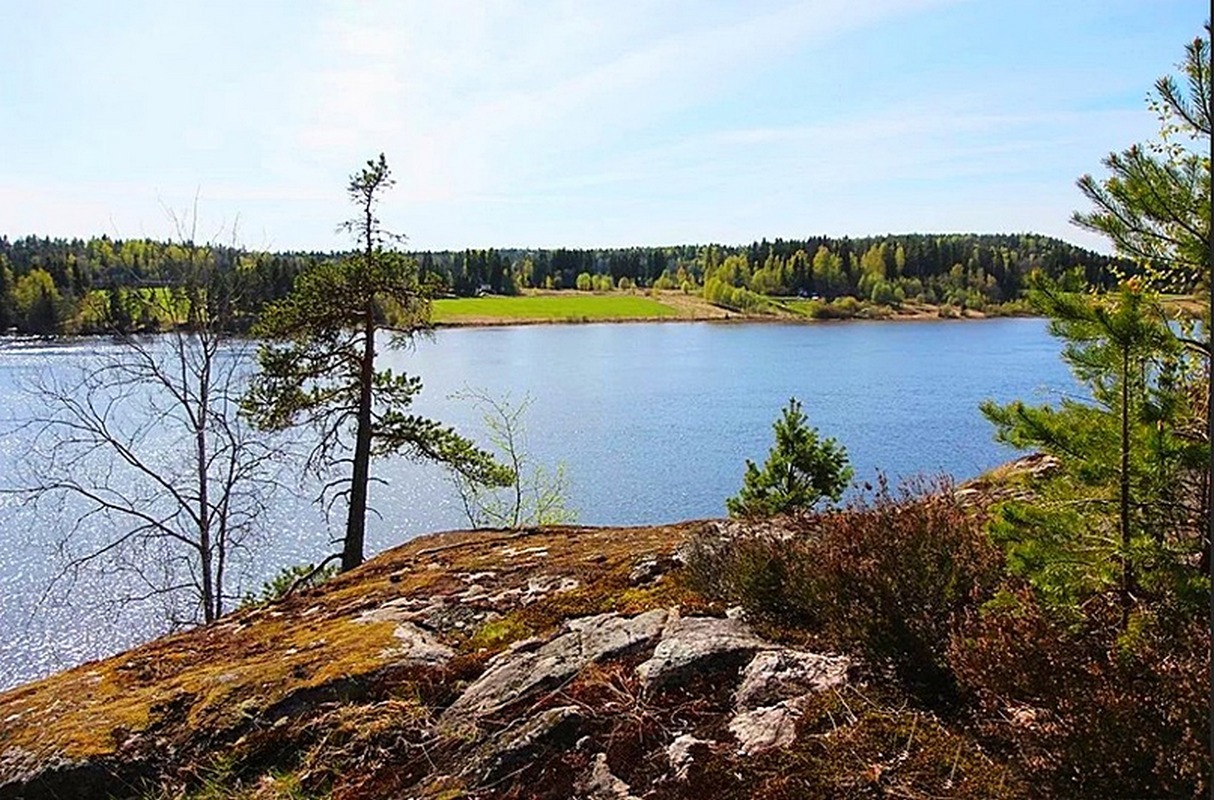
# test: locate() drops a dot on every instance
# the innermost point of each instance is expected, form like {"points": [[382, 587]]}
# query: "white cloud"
{"points": [[479, 98], [574, 122]]}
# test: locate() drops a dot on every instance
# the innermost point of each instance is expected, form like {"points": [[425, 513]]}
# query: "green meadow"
{"points": [[549, 308]]}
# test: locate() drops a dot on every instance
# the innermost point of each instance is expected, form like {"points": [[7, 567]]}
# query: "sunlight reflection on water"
{"points": [[653, 421]]}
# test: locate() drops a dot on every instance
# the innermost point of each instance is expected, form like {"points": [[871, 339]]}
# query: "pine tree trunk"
{"points": [[356, 521], [1209, 548], [1127, 581]]}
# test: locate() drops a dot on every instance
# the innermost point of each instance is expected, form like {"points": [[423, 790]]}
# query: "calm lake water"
{"points": [[652, 421]]}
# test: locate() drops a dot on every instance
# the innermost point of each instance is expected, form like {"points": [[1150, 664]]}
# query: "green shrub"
{"points": [[840, 308], [1011, 308], [288, 579], [823, 310], [801, 470], [868, 311], [847, 306], [886, 294], [738, 298]]}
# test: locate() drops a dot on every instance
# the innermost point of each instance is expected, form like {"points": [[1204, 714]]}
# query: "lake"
{"points": [[652, 421]]}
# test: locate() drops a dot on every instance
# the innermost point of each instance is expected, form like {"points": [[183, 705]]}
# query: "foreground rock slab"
{"points": [[555, 663], [521, 673], [691, 643]]}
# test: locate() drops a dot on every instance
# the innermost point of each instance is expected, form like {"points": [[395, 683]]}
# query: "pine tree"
{"points": [[320, 365], [1122, 510], [1155, 208], [801, 470]]}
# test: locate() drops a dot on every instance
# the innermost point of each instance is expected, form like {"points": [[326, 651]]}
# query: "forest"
{"points": [[102, 285]]}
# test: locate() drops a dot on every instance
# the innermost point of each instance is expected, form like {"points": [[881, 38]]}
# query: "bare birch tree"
{"points": [[146, 444]]}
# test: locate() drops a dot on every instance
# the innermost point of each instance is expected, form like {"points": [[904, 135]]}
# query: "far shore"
{"points": [[539, 307]]}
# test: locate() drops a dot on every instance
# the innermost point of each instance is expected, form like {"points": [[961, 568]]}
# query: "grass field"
{"points": [[800, 306], [565, 307]]}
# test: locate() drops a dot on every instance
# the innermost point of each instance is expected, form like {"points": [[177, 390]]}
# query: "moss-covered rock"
{"points": [[479, 664]]}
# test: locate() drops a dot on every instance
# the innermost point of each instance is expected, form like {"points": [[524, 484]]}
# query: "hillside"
{"points": [[547, 663]]}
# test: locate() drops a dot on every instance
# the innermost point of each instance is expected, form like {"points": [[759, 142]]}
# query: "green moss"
{"points": [[498, 633]]}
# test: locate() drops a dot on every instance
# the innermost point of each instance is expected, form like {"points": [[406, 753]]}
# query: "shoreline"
{"points": [[730, 318], [576, 307], [695, 311]]}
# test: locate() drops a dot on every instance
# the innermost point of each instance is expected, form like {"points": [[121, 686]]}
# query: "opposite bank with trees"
{"points": [[104, 285]]}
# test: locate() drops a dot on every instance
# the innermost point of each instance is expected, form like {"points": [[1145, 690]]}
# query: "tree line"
{"points": [[102, 285]]}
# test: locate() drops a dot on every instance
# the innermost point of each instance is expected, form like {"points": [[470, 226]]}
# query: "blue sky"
{"points": [[553, 123]]}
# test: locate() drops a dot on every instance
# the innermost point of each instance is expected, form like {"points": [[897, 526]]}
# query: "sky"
{"points": [[571, 123]]}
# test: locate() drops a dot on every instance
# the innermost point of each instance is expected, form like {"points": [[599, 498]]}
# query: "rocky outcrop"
{"points": [[765, 686], [564, 662], [524, 671], [693, 643]]}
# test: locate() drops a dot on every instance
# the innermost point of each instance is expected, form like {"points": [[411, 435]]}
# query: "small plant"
{"points": [[800, 471], [497, 633], [288, 580], [533, 495]]}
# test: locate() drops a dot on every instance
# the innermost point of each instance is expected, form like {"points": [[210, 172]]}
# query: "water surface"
{"points": [[653, 423]]}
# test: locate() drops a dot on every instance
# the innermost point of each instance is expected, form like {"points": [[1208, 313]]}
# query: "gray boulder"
{"points": [[765, 728], [772, 694], [524, 672], [694, 643], [776, 675]]}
